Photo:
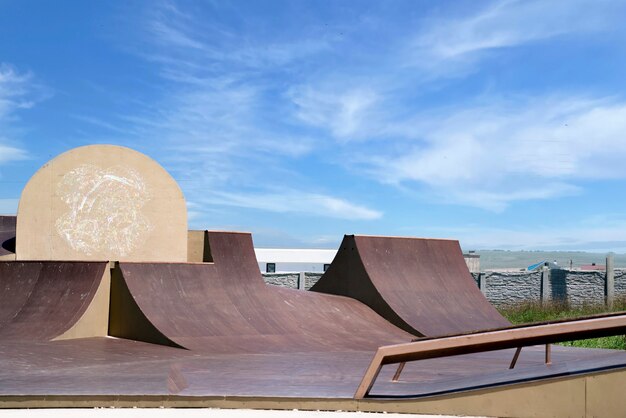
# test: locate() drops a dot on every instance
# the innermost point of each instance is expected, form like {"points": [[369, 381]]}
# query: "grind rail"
{"points": [[498, 339]]}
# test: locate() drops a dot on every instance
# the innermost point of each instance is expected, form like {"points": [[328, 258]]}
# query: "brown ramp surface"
{"points": [[421, 285], [7, 236], [44, 300], [225, 307]]}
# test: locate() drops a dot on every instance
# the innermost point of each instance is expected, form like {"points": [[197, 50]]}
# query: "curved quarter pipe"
{"points": [[45, 300], [226, 307], [420, 285]]}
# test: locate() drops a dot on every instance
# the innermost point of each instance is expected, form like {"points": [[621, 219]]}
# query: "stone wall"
{"points": [[577, 287], [291, 279], [311, 279], [512, 288], [282, 279], [506, 288], [620, 283], [572, 286]]}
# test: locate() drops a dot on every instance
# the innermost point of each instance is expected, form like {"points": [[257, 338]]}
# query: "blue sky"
{"points": [[499, 123]]}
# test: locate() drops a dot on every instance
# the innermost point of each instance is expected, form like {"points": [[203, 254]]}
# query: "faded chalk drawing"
{"points": [[105, 210]]}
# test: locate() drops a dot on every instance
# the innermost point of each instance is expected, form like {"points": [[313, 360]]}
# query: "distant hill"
{"points": [[504, 259]]}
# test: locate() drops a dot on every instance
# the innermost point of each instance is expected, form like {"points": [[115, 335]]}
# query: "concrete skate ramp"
{"points": [[52, 300], [7, 237], [421, 285], [225, 307]]}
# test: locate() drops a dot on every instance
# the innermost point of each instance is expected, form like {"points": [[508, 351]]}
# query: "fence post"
{"points": [[610, 281], [301, 280], [482, 282], [545, 279]]}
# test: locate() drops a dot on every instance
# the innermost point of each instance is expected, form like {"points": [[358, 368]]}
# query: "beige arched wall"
{"points": [[102, 202]]}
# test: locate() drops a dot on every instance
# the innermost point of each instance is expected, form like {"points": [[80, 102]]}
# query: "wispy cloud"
{"points": [[16, 93], [374, 101], [489, 156], [239, 108], [8, 153], [509, 23], [290, 201], [222, 118], [208, 44], [360, 103], [344, 112], [225, 114], [14, 89]]}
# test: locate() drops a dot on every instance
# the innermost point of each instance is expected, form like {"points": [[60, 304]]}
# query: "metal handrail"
{"points": [[598, 326]]}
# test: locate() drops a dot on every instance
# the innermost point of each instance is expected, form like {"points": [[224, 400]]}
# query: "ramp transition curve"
{"points": [[420, 285], [226, 307], [51, 300], [7, 237]]}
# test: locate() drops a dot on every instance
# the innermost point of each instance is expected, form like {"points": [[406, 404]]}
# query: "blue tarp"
{"points": [[535, 266]]}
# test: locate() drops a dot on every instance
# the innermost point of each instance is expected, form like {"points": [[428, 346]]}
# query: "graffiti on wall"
{"points": [[104, 213]]}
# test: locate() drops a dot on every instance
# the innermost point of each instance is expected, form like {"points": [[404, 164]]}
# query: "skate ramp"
{"points": [[225, 307], [7, 237], [420, 285], [53, 300]]}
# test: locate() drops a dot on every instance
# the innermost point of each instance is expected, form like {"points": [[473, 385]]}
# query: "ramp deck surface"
{"points": [[118, 367]]}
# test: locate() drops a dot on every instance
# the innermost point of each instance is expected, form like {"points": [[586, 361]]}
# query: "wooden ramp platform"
{"points": [[421, 285], [226, 307], [214, 334], [119, 372]]}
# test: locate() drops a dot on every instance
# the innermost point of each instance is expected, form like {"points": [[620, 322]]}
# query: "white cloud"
{"points": [[509, 23], [373, 101], [344, 113], [489, 156], [15, 89], [220, 122], [8, 153], [209, 43], [289, 201], [15, 94], [227, 126]]}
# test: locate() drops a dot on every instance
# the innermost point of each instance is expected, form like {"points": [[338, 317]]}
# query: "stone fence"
{"points": [[504, 288], [303, 280], [574, 287]]}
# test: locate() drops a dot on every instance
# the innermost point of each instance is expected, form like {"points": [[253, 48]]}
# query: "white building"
{"points": [[290, 260], [284, 260]]}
